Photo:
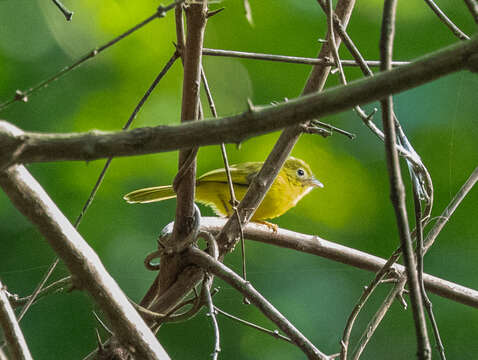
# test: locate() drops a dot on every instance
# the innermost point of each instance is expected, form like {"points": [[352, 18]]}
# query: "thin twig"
{"points": [[23, 95], [38, 289], [17, 345], [208, 263], [450, 209], [3, 356], [291, 59], [102, 323], [248, 12], [63, 285], [66, 13], [473, 7], [233, 200], [444, 19], [207, 282], [273, 333], [206, 294], [397, 189], [377, 318], [420, 255], [335, 54], [384, 270]]}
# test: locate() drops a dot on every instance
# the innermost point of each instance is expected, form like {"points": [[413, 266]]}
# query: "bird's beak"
{"points": [[316, 183]]}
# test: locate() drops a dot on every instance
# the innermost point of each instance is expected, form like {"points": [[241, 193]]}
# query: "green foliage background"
{"points": [[353, 209]]}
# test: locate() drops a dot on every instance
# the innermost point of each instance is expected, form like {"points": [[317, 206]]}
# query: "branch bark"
{"points": [[209, 264], [11, 329], [88, 272], [185, 181], [397, 188], [27, 147], [315, 245]]}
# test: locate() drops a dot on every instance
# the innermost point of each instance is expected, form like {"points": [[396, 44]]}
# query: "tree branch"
{"points": [[209, 264], [290, 59], [11, 329], [397, 188], [185, 181], [17, 146], [82, 262], [312, 244]]}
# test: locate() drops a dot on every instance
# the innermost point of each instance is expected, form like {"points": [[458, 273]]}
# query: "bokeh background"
{"points": [[353, 209]]}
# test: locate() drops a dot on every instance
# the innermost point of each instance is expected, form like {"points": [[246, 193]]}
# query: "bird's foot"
{"points": [[271, 226]]}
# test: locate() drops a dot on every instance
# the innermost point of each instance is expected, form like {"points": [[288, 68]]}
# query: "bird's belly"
{"points": [[217, 196]]}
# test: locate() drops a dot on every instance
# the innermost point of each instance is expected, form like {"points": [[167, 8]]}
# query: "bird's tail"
{"points": [[152, 194]]}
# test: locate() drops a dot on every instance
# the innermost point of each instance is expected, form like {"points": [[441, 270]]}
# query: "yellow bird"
{"points": [[294, 181]]}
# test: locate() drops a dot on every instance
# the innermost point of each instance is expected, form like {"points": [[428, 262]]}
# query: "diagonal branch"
{"points": [[25, 147], [11, 329], [82, 262], [209, 264]]}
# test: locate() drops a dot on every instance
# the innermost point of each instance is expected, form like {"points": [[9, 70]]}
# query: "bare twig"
{"points": [[397, 189], [273, 333], [23, 95], [88, 271], [208, 263], [66, 13], [207, 282], [63, 285], [335, 54], [291, 59], [233, 200], [384, 270], [420, 255], [17, 345], [315, 245], [34, 147], [450, 209], [473, 7], [206, 294], [444, 19], [248, 12], [3, 356], [38, 289], [378, 317]]}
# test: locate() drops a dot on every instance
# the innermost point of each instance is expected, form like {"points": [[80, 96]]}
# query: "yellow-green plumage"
{"points": [[294, 181]]}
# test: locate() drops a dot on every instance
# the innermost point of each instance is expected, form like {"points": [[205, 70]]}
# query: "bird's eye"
{"points": [[300, 172]]}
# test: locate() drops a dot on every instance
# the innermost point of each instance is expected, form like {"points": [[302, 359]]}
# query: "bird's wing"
{"points": [[241, 174]]}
